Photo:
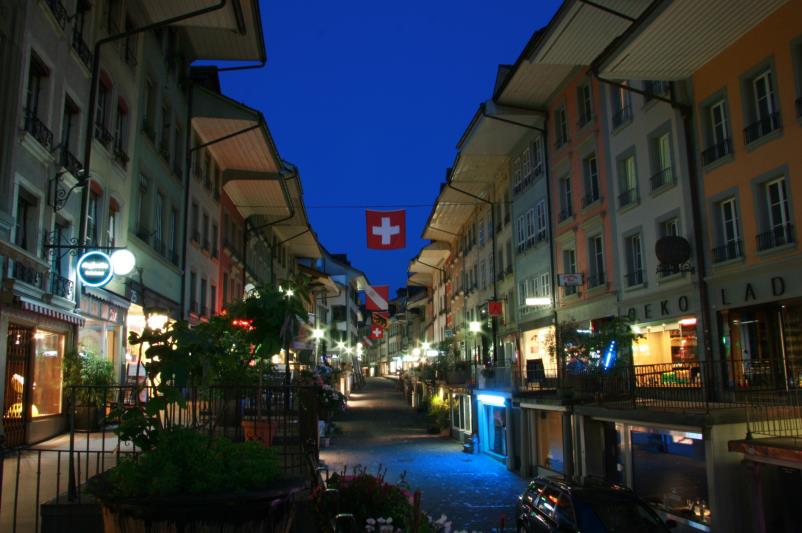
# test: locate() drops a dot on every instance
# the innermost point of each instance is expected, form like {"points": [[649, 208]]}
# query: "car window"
{"points": [[547, 502], [564, 514], [618, 515]]}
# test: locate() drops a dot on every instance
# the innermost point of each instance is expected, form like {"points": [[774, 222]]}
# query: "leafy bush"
{"points": [[184, 461], [439, 412], [92, 374]]}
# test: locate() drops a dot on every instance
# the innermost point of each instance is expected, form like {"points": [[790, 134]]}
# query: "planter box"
{"points": [[260, 430]]}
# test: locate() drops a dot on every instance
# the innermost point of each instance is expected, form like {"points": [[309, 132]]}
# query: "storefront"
{"points": [[104, 334], [539, 357], [37, 338], [493, 418], [461, 416], [545, 439]]}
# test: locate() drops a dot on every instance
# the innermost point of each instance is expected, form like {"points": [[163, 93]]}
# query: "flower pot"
{"points": [[259, 430]]}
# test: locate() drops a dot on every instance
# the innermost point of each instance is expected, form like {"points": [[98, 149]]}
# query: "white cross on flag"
{"points": [[376, 297], [386, 229], [376, 333]]}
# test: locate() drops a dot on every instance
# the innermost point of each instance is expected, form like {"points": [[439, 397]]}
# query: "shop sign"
{"points": [[494, 308], [752, 291], [94, 269], [660, 309], [569, 280]]}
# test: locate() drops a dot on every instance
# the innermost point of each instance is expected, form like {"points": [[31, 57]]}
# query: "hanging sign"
{"points": [[94, 269]]}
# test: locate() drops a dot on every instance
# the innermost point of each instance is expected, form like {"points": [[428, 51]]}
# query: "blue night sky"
{"points": [[369, 99]]}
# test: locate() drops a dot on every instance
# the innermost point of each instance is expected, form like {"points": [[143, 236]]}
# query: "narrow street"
{"points": [[379, 428]]}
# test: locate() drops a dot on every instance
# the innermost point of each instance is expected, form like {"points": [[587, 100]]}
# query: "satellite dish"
{"points": [[672, 250]]}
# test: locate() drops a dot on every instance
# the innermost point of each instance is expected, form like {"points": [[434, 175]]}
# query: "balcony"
{"points": [[565, 214], [628, 197], [120, 155], [38, 130], [761, 128], [634, 278], [103, 135], [59, 12], [717, 151], [778, 236], [597, 280], [70, 162], [61, 286], [539, 377], [622, 116], [589, 199], [727, 252], [82, 49], [661, 179], [29, 275]]}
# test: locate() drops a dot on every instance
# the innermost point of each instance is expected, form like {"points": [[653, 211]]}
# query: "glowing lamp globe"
{"points": [[122, 262]]}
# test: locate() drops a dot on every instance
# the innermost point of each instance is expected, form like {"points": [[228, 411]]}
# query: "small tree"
{"points": [[581, 347]]}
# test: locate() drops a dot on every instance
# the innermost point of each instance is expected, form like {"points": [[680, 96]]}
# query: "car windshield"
{"points": [[610, 512]]}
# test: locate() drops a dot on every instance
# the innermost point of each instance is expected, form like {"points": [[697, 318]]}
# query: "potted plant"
{"points": [[87, 380], [439, 416]]}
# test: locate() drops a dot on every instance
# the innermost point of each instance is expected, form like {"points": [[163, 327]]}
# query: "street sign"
{"points": [[569, 280], [94, 269], [494, 308]]}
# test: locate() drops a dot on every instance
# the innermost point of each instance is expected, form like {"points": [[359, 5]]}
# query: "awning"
{"points": [[675, 39], [233, 32], [420, 279], [50, 311], [430, 258], [320, 280], [451, 211], [296, 233]]}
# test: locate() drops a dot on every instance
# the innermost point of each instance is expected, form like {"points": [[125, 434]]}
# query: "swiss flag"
{"points": [[376, 297], [376, 332], [387, 230]]}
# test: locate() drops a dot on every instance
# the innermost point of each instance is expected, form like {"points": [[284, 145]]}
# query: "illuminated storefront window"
{"points": [[665, 343], [47, 373], [550, 440]]}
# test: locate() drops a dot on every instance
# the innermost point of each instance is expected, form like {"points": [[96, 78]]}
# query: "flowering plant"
{"points": [[331, 401]]}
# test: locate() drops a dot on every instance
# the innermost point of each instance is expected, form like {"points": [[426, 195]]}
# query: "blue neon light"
{"points": [[94, 269], [491, 399], [609, 355]]}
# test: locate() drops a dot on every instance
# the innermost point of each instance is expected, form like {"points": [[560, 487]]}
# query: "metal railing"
{"points": [[59, 12], [656, 88], [37, 128], [103, 134], [120, 155], [628, 197], [727, 252], [762, 127], [597, 280], [634, 278], [662, 178], [31, 276], [778, 236], [589, 199], [565, 214], [716, 151], [61, 286], [70, 162]]}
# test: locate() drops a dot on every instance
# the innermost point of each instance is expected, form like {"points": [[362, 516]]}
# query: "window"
{"points": [[193, 295], [158, 226], [212, 300], [561, 126], [149, 123], [203, 309], [195, 222], [730, 246], [207, 169], [481, 233], [526, 165], [584, 104], [540, 227], [520, 233], [92, 218], [102, 133], [35, 103], [205, 229], [121, 132], [628, 180], [111, 228], [47, 374], [225, 288], [215, 231], [661, 162], [516, 175], [764, 109], [142, 206], [173, 235], [622, 106], [164, 138], [25, 220], [566, 207], [596, 256], [779, 222], [69, 130], [634, 261], [569, 266], [718, 133], [537, 156], [550, 441], [590, 172], [669, 227], [218, 180], [178, 149]]}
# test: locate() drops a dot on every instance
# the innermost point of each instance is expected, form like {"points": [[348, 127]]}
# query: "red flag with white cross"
{"points": [[376, 297], [387, 230], [376, 332]]}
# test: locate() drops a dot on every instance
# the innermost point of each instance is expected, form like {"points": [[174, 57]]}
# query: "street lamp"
{"points": [[475, 327], [317, 334]]}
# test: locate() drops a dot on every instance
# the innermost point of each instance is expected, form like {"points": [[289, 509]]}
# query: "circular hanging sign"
{"points": [[672, 250], [94, 269]]}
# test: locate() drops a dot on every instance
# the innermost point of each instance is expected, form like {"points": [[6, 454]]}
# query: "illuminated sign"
{"points": [[491, 399], [94, 269]]}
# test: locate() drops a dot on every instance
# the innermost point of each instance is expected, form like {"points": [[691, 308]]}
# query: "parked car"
{"points": [[590, 506]]}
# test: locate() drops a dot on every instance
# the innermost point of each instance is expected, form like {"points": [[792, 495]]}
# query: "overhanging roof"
{"points": [[232, 33], [238, 138], [320, 280], [574, 37], [420, 279], [674, 39], [296, 232], [430, 258], [450, 212]]}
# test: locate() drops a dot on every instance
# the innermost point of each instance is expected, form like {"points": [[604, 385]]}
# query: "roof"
{"points": [[231, 33], [320, 280], [674, 39], [431, 257]]}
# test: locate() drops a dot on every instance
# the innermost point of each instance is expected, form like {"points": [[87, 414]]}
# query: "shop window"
{"points": [[496, 426], [668, 345], [549, 433], [669, 472], [47, 371]]}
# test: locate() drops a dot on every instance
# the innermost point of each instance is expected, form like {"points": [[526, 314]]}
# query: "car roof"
{"points": [[588, 483]]}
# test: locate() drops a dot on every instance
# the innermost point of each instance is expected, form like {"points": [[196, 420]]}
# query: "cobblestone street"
{"points": [[379, 428]]}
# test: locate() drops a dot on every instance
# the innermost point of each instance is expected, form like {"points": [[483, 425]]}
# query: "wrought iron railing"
{"points": [[727, 252], [61, 286], [762, 127], [59, 12], [70, 162], [26, 274], [778, 236], [120, 155], [102, 134], [716, 151], [628, 197], [37, 128], [662, 178]]}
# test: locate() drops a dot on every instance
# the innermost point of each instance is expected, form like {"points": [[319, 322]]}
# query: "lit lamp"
{"points": [[538, 302], [416, 352], [156, 320], [475, 327], [317, 334], [122, 262]]}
